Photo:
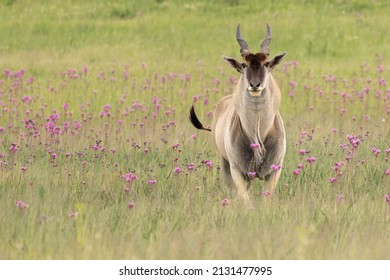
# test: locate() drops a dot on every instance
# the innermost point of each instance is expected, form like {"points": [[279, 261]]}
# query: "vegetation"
{"points": [[99, 161]]}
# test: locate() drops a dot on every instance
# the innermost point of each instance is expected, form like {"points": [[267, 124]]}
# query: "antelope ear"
{"points": [[234, 63], [276, 60]]}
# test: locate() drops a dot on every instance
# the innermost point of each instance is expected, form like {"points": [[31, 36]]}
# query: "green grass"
{"points": [[332, 36], [172, 50]]}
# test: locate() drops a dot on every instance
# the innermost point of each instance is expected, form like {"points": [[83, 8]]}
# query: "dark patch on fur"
{"points": [[256, 60]]}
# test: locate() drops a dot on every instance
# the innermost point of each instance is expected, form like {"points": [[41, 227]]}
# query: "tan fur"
{"points": [[243, 118], [238, 123]]}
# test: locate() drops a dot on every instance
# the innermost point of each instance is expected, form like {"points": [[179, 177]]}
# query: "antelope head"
{"points": [[256, 68]]}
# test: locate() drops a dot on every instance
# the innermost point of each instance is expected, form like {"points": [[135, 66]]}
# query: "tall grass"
{"points": [[93, 91]]}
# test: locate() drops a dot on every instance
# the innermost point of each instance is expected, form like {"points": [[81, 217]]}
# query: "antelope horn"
{"points": [[243, 45], [264, 46]]}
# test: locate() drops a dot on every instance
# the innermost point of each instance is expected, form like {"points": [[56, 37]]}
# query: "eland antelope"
{"points": [[247, 127]]}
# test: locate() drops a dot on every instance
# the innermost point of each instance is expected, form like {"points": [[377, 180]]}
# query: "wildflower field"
{"points": [[98, 159]]}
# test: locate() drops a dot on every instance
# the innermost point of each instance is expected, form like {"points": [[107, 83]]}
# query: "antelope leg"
{"points": [[271, 181], [241, 186]]}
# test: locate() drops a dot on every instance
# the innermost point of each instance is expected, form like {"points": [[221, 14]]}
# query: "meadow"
{"points": [[98, 159]]}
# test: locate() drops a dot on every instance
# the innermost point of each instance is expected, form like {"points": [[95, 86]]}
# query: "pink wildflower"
{"points": [[302, 152], [251, 174], [95, 147], [152, 182], [254, 146], [106, 107], [332, 180], [338, 165], [6, 72], [21, 205], [175, 146], [130, 204], [376, 151], [129, 177], [225, 202], [190, 166], [209, 164], [177, 170], [387, 198], [293, 84], [353, 140], [14, 148], [311, 160], [276, 167], [73, 214], [85, 70], [266, 194]]}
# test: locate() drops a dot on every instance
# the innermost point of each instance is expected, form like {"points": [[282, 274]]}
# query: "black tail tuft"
{"points": [[195, 121]]}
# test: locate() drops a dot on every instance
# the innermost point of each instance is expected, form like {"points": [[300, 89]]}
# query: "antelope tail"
{"points": [[195, 121]]}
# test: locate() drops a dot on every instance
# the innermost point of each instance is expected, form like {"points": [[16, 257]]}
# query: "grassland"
{"points": [[93, 90]]}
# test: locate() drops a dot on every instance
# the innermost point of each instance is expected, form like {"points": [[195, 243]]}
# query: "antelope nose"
{"points": [[254, 87]]}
